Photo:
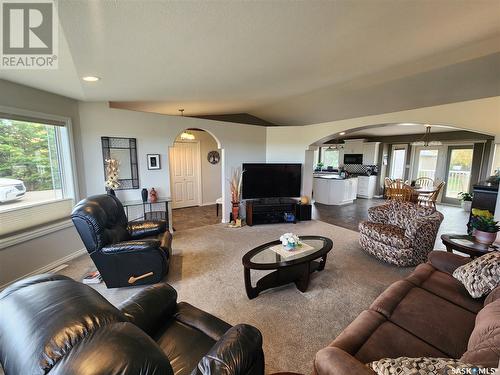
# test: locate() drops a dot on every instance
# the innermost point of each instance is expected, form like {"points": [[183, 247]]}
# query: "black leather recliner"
{"points": [[51, 324], [125, 253]]}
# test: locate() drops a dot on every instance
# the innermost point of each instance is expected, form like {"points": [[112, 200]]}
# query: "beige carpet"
{"points": [[207, 272]]}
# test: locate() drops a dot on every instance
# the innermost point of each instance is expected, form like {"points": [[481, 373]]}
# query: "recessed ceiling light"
{"points": [[341, 133], [91, 78]]}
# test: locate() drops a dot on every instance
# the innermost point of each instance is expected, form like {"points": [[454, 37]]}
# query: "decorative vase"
{"points": [[153, 195], [144, 195], [290, 247], [486, 238], [236, 210], [466, 205], [111, 192]]}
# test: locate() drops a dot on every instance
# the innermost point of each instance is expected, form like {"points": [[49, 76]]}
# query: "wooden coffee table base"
{"points": [[298, 274]]}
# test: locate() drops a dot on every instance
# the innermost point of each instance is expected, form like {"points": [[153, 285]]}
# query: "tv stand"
{"points": [[269, 210]]}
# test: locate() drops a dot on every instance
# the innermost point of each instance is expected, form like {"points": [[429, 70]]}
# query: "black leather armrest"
{"points": [[116, 348], [131, 247], [151, 307], [238, 352], [141, 229], [210, 325]]}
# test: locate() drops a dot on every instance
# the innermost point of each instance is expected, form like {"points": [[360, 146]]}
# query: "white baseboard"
{"points": [[48, 267]]}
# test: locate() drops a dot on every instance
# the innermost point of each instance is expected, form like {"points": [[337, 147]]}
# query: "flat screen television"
{"points": [[262, 180]]}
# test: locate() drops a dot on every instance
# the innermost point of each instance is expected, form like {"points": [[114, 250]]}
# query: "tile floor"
{"points": [[349, 216]]}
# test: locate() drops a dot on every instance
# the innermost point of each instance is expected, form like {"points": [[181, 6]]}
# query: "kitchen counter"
{"points": [[334, 190], [330, 177]]}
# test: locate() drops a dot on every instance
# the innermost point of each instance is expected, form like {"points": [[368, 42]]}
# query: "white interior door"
{"points": [[185, 174]]}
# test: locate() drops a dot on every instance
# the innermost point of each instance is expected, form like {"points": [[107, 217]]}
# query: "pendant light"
{"points": [[186, 135], [426, 139]]}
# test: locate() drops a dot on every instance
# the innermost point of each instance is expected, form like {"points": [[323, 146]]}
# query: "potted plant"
{"points": [[485, 226], [235, 186], [319, 167], [112, 172], [465, 200]]}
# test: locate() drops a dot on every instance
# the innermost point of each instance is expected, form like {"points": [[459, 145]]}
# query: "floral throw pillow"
{"points": [[419, 366], [481, 275]]}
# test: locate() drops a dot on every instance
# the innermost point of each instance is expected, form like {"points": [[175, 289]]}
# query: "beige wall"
{"points": [[155, 133], [211, 178]]}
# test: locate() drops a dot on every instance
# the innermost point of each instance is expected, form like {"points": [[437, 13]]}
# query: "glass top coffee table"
{"points": [[295, 266]]}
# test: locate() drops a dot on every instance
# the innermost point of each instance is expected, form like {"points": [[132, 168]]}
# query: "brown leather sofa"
{"points": [[428, 314]]}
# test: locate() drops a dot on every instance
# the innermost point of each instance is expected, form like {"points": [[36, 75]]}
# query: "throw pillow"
{"points": [[481, 275], [418, 366]]}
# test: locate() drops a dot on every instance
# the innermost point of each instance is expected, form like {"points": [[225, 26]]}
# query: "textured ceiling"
{"points": [[263, 58]]}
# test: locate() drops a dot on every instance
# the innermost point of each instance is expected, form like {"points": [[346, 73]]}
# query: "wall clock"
{"points": [[213, 157]]}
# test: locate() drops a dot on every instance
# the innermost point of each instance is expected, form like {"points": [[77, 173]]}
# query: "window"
{"points": [[36, 178], [398, 162], [330, 157], [427, 163]]}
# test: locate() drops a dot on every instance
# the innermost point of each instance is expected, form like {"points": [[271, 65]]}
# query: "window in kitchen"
{"points": [[36, 175], [330, 157], [398, 162]]}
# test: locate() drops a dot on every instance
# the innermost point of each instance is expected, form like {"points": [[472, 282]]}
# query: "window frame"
{"points": [[322, 155], [69, 167]]}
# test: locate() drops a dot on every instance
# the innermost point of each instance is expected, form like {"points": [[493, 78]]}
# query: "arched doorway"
{"points": [[196, 177], [455, 156]]}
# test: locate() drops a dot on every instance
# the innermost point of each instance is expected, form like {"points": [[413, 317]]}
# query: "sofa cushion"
{"points": [[481, 275], [429, 317], [484, 342], [388, 234], [421, 365], [445, 286], [493, 296], [184, 346], [371, 337], [402, 214]]}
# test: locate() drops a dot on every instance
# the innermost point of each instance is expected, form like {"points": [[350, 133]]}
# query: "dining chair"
{"points": [[400, 190], [430, 199], [424, 182]]}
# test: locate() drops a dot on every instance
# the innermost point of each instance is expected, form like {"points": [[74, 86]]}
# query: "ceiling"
{"points": [[398, 129], [285, 62], [391, 133]]}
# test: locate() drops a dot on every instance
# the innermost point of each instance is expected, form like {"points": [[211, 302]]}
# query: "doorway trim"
{"points": [[444, 198]]}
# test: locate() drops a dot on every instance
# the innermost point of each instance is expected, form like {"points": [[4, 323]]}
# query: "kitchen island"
{"points": [[334, 190]]}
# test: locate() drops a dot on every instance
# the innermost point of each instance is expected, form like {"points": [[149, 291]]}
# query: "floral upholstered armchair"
{"points": [[400, 233]]}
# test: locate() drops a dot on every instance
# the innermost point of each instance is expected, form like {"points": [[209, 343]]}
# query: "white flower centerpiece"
{"points": [[290, 241]]}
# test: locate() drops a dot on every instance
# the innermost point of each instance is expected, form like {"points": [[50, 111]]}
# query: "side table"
{"points": [[466, 244]]}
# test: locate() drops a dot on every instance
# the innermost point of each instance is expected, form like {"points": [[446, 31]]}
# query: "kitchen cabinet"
{"points": [[367, 186], [333, 190], [369, 150], [353, 146], [370, 153]]}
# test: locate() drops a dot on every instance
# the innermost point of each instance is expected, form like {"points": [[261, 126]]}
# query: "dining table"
{"points": [[422, 190]]}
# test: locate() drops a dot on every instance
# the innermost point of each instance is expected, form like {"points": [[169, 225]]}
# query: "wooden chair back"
{"points": [[424, 182], [399, 190], [430, 199]]}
